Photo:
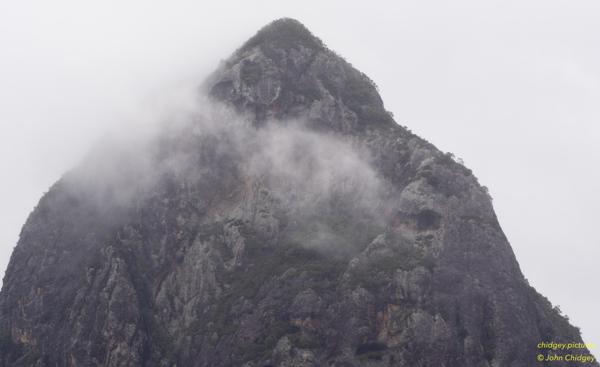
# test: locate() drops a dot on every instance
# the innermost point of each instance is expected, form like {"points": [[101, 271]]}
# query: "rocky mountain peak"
{"points": [[285, 72], [341, 240], [284, 33]]}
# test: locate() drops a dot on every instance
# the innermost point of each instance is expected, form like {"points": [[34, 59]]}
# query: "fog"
{"points": [[510, 87], [196, 136]]}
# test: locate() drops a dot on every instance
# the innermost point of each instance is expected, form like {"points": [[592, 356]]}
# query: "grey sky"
{"points": [[512, 87]]}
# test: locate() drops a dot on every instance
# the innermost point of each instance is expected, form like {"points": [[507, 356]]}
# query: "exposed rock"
{"points": [[323, 235]]}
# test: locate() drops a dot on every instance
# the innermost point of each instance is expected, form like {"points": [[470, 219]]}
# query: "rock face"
{"points": [[318, 233]]}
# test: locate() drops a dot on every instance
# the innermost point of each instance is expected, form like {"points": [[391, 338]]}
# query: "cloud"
{"points": [[319, 180]]}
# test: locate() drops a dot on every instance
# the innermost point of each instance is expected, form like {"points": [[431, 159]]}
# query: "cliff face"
{"points": [[317, 233]]}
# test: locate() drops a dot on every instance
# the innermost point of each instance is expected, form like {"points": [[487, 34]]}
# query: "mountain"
{"points": [[289, 221]]}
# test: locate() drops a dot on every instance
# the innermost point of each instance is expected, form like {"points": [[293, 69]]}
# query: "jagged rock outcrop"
{"points": [[320, 234]]}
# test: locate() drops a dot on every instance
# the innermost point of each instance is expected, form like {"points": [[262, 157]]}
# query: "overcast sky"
{"points": [[511, 87]]}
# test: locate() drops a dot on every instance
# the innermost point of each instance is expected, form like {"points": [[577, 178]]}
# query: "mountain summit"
{"points": [[285, 33], [291, 223], [285, 72]]}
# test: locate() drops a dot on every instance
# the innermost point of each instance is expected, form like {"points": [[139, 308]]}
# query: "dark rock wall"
{"points": [[214, 264]]}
